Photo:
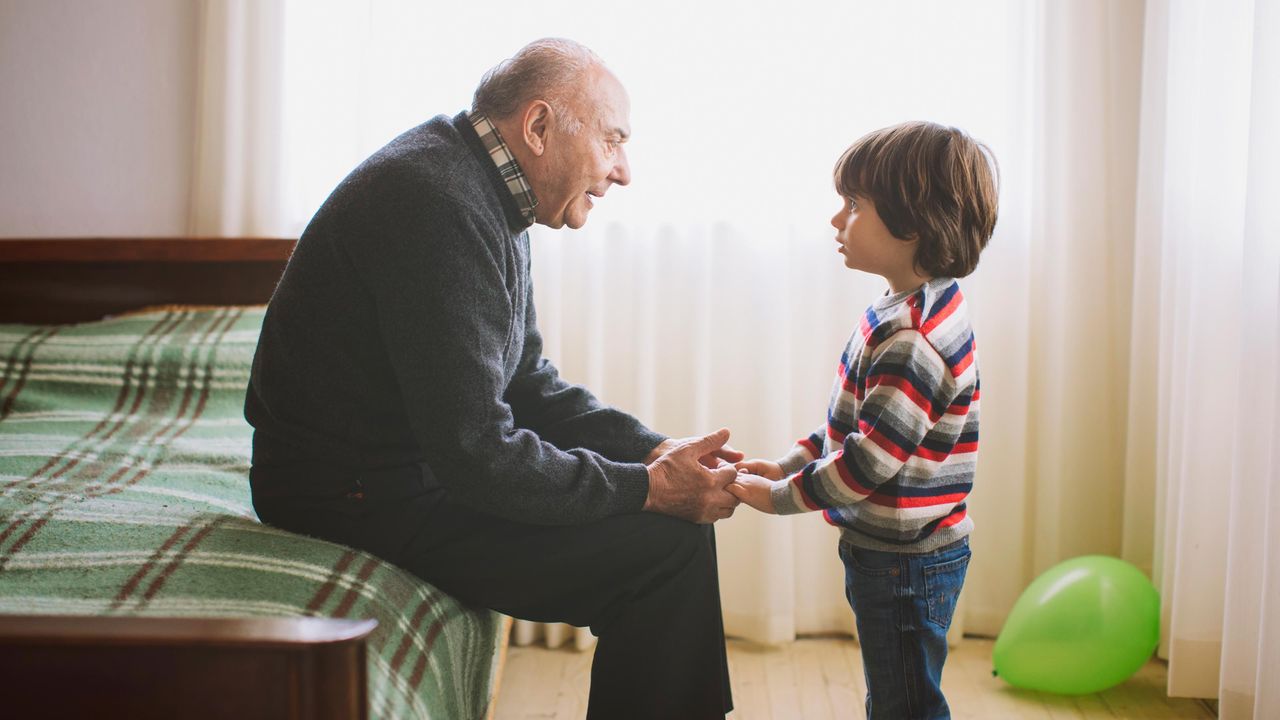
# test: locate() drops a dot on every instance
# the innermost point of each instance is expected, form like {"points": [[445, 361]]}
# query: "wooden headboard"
{"points": [[59, 280]]}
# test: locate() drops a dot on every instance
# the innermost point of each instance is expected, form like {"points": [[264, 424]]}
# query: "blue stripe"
{"points": [[839, 426], [900, 491], [943, 300], [958, 355], [892, 434], [853, 461], [810, 486], [872, 321], [947, 445], [908, 373]]}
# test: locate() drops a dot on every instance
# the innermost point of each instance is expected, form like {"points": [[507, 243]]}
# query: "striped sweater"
{"points": [[894, 462]]}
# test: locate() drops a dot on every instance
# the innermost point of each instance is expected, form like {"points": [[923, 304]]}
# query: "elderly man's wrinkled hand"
{"points": [[713, 460], [683, 485]]}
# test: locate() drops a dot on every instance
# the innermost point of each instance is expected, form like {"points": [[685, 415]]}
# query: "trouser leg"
{"points": [[903, 605], [646, 584]]}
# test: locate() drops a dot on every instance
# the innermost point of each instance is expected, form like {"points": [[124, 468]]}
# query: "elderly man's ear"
{"points": [[537, 119]]}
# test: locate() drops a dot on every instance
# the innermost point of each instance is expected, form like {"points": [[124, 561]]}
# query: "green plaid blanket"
{"points": [[124, 461]]}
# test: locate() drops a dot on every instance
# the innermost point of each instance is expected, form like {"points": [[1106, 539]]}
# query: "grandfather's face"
{"points": [[581, 167]]}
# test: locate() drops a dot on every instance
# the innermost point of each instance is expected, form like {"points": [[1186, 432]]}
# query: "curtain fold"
{"points": [[1208, 297], [238, 188]]}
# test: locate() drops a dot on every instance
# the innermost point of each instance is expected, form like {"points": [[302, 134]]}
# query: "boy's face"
{"points": [[867, 244]]}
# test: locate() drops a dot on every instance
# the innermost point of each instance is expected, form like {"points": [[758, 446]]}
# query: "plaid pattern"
{"points": [[123, 491], [507, 165]]}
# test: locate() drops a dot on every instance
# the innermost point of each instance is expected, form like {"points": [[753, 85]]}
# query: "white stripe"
{"points": [[233, 508], [92, 416], [119, 381], [127, 340]]}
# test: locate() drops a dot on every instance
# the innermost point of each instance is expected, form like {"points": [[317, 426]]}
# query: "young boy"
{"points": [[894, 462]]}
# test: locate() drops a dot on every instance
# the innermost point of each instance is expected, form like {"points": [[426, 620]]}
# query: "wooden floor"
{"points": [[815, 679]]}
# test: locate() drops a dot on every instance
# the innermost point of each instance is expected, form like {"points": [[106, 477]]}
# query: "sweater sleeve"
{"points": [[805, 451], [909, 388], [439, 283], [569, 416]]}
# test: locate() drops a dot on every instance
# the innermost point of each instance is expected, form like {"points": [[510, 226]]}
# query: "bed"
{"points": [[124, 497]]}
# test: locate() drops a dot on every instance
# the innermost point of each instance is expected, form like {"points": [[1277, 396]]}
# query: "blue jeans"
{"points": [[903, 604]]}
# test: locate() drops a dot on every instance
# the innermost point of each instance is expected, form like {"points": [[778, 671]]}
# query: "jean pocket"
{"points": [[873, 563], [942, 584]]}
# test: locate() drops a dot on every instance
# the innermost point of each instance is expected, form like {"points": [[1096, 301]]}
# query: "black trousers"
{"points": [[645, 584]]}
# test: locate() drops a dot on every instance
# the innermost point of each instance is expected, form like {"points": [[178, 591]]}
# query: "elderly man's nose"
{"points": [[621, 174]]}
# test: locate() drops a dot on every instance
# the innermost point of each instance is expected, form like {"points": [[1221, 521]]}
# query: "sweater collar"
{"points": [[514, 178]]}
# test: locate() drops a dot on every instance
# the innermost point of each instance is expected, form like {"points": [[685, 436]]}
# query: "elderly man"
{"points": [[401, 403]]}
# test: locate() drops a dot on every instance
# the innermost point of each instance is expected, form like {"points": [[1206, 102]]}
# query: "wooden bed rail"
{"points": [[135, 667], [59, 280]]}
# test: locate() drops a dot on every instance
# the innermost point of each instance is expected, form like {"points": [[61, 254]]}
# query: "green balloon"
{"points": [[1083, 626]]}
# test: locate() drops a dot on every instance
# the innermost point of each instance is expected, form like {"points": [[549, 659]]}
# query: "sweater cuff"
{"points": [[644, 441], [784, 498], [794, 461], [632, 482]]}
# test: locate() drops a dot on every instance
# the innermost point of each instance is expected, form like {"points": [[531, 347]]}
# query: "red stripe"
{"points": [[942, 314], [963, 364], [934, 455], [799, 487], [915, 502], [835, 435], [952, 519], [888, 446], [809, 448], [939, 456], [906, 388], [846, 476]]}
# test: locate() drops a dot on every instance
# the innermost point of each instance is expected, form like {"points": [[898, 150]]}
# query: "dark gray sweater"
{"points": [[403, 331]]}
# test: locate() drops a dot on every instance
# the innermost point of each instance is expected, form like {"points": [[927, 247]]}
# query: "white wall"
{"points": [[97, 112]]}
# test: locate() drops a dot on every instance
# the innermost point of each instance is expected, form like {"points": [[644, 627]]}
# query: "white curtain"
{"points": [[1208, 298], [239, 177], [709, 292]]}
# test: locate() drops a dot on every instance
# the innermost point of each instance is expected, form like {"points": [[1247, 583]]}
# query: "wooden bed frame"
{"points": [[61, 666], [61, 280], [68, 666]]}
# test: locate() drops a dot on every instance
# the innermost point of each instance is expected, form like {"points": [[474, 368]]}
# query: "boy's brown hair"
{"points": [[931, 183]]}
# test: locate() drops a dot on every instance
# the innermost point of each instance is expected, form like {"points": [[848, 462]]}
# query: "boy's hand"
{"points": [[754, 490], [763, 468]]}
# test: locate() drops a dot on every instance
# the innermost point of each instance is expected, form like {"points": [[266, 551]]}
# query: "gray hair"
{"points": [[551, 69]]}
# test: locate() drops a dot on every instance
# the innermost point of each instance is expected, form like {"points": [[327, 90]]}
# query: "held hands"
{"points": [[755, 482], [713, 460], [687, 478]]}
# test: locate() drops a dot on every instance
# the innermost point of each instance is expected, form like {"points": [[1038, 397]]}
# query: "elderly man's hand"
{"points": [[681, 483], [713, 460]]}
